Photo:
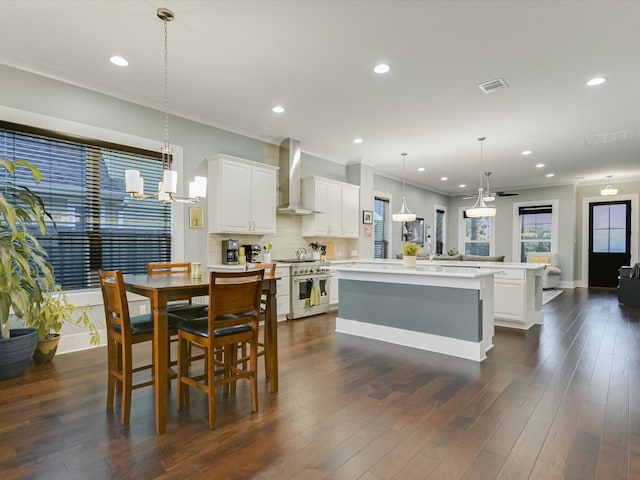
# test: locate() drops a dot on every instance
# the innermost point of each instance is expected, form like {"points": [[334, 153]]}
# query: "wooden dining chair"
{"points": [[234, 309], [184, 309], [269, 270], [124, 331]]}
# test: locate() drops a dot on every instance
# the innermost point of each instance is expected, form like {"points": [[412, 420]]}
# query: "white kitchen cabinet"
{"points": [[334, 292], [516, 291], [350, 211], [242, 196], [338, 204], [283, 291]]}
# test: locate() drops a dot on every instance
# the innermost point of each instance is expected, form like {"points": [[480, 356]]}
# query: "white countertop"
{"points": [[457, 264], [391, 266]]}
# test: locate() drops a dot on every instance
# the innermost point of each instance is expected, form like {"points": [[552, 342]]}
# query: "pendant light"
{"points": [[167, 188], [404, 215], [480, 209], [609, 190]]}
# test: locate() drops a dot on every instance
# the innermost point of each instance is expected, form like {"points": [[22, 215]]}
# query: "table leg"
{"points": [[160, 359], [271, 337]]}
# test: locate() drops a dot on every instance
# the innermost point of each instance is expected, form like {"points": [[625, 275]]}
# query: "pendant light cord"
{"points": [[166, 16], [404, 161]]}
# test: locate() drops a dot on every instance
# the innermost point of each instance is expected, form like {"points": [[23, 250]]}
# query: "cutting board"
{"points": [[331, 251]]}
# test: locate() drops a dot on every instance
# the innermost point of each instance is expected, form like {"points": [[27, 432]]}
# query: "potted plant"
{"points": [[49, 316], [409, 254], [25, 272]]}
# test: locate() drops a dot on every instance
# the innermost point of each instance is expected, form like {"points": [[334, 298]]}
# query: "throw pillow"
{"points": [[539, 259]]}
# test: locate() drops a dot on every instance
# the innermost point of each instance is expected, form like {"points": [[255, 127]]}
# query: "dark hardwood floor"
{"points": [[557, 401]]}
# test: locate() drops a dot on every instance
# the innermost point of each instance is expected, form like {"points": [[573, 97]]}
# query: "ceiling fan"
{"points": [[490, 196]]}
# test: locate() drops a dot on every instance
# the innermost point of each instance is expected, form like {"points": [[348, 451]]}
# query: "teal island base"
{"points": [[442, 310]]}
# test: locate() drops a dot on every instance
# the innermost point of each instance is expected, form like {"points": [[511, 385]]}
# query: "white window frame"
{"points": [[462, 230], [555, 214]]}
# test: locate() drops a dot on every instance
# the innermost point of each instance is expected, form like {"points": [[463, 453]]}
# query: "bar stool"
{"points": [[124, 331], [234, 309]]}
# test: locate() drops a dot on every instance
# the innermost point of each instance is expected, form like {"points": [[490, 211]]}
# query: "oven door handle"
{"points": [[304, 278]]}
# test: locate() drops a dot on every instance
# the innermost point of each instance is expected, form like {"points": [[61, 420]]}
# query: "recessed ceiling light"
{"points": [[596, 81], [382, 68], [526, 152], [421, 169], [462, 185], [539, 165], [357, 140], [444, 179], [549, 175], [116, 60], [278, 109]]}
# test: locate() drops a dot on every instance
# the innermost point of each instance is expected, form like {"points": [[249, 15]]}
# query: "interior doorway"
{"points": [[609, 241]]}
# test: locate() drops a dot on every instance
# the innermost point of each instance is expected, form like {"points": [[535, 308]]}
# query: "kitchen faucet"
{"points": [[301, 253]]}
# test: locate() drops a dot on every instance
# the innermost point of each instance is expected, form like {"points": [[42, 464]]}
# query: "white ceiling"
{"points": [[231, 61]]}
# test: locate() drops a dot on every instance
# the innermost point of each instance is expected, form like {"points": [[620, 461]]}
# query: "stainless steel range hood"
{"points": [[290, 164]]}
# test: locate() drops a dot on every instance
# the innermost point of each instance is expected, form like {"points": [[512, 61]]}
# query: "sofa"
{"points": [[551, 275]]}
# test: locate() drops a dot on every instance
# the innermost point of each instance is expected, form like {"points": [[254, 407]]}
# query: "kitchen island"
{"points": [[431, 307], [517, 288]]}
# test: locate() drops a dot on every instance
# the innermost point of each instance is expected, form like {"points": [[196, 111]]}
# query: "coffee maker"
{"points": [[230, 252], [253, 253]]}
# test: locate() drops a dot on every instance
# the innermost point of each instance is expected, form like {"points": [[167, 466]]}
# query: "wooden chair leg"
{"points": [[229, 360], [183, 371], [253, 362], [211, 388], [127, 383], [111, 379]]}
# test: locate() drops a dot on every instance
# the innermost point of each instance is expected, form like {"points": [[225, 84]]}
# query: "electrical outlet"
{"points": [[143, 309]]}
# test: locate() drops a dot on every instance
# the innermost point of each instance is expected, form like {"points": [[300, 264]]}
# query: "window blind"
{"points": [[97, 224]]}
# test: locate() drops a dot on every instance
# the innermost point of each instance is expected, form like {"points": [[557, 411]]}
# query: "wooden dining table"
{"points": [[161, 289]]}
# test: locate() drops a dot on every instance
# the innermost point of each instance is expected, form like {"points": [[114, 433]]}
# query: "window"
{"points": [[98, 225], [610, 228], [478, 235], [440, 226], [536, 229], [381, 228]]}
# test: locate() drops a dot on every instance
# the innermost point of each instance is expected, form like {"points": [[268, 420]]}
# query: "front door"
{"points": [[609, 241]]}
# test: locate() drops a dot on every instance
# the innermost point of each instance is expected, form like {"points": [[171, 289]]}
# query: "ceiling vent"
{"points": [[611, 137], [493, 85]]}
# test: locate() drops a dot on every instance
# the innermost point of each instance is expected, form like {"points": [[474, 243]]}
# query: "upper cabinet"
{"points": [[242, 196], [338, 204]]}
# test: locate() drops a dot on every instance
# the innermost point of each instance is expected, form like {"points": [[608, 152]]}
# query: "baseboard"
{"points": [[73, 342]]}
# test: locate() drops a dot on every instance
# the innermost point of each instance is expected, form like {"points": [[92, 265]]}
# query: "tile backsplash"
{"points": [[285, 243]]}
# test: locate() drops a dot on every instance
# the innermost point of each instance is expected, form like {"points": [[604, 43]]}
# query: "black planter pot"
{"points": [[16, 352]]}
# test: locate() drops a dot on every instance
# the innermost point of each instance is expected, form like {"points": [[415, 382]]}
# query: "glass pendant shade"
{"points": [[480, 208], [404, 215]]}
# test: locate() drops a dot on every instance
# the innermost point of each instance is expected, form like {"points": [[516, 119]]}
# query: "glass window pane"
{"points": [[617, 240], [480, 248], [478, 229], [601, 216], [601, 241], [618, 216]]}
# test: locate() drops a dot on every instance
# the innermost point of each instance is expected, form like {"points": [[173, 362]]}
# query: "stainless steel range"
{"points": [[310, 287]]}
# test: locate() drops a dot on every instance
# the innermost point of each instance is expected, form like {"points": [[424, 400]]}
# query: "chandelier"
{"points": [[404, 215], [168, 186], [480, 208]]}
